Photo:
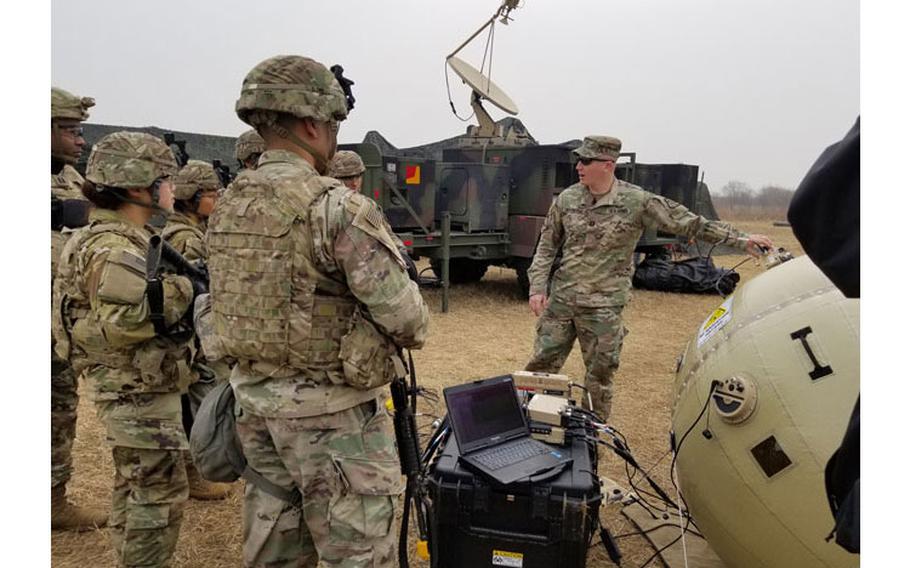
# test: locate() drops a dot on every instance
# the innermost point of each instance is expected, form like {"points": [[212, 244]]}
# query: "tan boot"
{"points": [[69, 517], [205, 490]]}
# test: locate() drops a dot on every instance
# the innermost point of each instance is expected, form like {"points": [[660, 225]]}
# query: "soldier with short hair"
{"points": [[311, 296], [596, 224], [69, 210], [247, 149], [122, 333], [196, 189]]}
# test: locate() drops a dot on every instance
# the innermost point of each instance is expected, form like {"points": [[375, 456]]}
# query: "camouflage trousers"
{"points": [[150, 489], [64, 400], [345, 465], [600, 333]]}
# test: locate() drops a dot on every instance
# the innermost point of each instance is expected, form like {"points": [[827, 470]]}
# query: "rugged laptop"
{"points": [[492, 432]]}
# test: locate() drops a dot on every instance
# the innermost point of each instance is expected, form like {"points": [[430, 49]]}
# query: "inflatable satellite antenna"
{"points": [[483, 87]]}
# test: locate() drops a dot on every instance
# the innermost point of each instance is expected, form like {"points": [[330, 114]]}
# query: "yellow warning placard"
{"points": [[716, 321], [506, 558]]}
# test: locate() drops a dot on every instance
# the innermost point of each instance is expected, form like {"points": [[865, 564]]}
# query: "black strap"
{"points": [[154, 291], [292, 496], [72, 213]]}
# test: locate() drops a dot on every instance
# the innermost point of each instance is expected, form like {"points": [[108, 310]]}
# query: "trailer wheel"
{"points": [[461, 270]]}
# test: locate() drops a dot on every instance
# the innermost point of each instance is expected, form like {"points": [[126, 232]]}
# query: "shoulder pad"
{"points": [[123, 278], [354, 202], [368, 218]]}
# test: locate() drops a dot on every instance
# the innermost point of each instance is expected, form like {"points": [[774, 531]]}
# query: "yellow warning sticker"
{"points": [[506, 558], [716, 321], [718, 313]]}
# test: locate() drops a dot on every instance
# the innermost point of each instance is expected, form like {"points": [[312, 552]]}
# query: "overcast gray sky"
{"points": [[750, 90]]}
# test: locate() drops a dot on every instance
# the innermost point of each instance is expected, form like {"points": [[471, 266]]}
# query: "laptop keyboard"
{"points": [[496, 458]]}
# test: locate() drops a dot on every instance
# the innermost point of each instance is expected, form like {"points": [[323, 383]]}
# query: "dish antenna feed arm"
{"points": [[482, 85], [502, 13]]}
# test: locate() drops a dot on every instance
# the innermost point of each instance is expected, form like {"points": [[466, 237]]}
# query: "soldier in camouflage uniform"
{"points": [[248, 148], [196, 189], [68, 210], [134, 371], [348, 168], [311, 297], [596, 224]]}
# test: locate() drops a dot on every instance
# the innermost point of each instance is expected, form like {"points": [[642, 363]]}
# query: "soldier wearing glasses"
{"points": [[596, 224], [69, 210]]}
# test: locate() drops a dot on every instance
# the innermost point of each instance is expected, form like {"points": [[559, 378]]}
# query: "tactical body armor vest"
{"points": [[272, 308], [157, 365]]}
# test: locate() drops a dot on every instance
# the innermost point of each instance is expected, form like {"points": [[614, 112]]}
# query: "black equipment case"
{"points": [[476, 522]]}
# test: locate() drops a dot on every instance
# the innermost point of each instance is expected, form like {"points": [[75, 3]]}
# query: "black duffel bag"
{"points": [[696, 275]]}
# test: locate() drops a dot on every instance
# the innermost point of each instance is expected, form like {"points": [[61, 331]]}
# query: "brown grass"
{"points": [[488, 331]]}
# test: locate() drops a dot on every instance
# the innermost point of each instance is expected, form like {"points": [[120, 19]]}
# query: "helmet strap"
{"points": [[322, 163], [156, 192]]}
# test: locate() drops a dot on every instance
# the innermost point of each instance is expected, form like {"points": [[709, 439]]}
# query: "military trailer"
{"points": [[481, 207]]}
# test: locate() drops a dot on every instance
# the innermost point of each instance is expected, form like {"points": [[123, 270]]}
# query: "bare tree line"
{"points": [[738, 199]]}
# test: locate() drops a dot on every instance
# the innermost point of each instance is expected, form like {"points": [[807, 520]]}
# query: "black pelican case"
{"points": [[476, 522]]}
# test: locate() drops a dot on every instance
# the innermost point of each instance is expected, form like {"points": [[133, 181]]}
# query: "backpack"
{"points": [[216, 450]]}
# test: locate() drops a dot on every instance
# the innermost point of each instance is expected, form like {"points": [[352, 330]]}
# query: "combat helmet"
{"points": [[346, 164], [248, 143], [194, 177], [65, 104], [129, 160], [292, 84]]}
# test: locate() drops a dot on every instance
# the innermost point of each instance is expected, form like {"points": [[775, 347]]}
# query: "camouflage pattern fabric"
{"points": [[186, 233], [65, 185], [65, 104], [193, 177], [346, 466], [287, 354], [101, 324], [130, 160], [599, 148], [299, 422], [345, 164], [248, 143], [593, 282], [64, 396], [295, 85], [600, 333], [150, 489], [598, 238], [64, 401]]}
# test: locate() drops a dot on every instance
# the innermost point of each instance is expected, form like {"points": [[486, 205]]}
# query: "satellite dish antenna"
{"points": [[482, 86]]}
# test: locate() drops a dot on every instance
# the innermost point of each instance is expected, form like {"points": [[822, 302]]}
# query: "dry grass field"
{"points": [[488, 331]]}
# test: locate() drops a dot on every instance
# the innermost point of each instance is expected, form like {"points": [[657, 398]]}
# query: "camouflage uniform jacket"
{"points": [[186, 234], [101, 324], [291, 254], [598, 239], [64, 185]]}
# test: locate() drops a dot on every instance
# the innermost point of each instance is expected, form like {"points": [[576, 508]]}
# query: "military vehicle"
{"points": [[496, 199], [480, 199]]}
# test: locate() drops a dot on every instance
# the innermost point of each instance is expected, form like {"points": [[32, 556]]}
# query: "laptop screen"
{"points": [[484, 413]]}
